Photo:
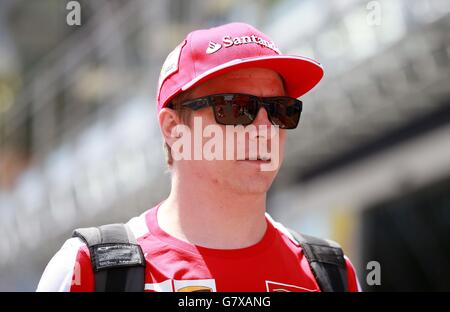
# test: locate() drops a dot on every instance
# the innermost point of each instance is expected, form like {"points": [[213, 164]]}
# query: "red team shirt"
{"points": [[276, 263]]}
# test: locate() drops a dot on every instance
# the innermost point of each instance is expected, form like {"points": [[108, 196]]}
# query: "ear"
{"points": [[168, 120]]}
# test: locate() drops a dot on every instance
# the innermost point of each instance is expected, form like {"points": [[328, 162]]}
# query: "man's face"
{"points": [[237, 175]]}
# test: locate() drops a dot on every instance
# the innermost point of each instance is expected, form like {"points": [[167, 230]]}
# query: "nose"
{"points": [[262, 118]]}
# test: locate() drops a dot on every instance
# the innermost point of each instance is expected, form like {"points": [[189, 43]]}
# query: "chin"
{"points": [[252, 184], [252, 188]]}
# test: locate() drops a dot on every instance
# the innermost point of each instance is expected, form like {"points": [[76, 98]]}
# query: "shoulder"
{"points": [[58, 274], [70, 268], [284, 231], [353, 284], [138, 225]]}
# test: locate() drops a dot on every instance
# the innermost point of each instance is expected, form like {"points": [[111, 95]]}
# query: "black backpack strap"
{"points": [[326, 259], [117, 258]]}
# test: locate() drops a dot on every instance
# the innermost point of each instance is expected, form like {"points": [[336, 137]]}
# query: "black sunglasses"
{"points": [[242, 109]]}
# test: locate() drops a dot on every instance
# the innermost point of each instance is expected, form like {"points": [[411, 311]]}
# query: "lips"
{"points": [[259, 159]]}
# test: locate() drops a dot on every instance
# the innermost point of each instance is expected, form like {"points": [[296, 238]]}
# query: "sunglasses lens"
{"points": [[235, 109], [285, 112], [242, 109]]}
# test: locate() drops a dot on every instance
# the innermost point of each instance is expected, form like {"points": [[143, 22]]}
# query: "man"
{"points": [[212, 233]]}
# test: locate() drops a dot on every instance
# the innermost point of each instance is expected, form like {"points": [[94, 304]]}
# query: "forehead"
{"points": [[257, 81]]}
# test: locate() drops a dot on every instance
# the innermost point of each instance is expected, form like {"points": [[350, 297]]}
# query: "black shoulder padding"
{"points": [[117, 258], [327, 262]]}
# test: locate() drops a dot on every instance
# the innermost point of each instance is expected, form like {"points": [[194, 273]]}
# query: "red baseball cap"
{"points": [[206, 53]]}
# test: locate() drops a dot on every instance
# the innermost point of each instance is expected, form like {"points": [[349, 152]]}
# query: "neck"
{"points": [[212, 217]]}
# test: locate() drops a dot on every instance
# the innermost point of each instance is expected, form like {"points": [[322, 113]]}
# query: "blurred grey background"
{"points": [[369, 165]]}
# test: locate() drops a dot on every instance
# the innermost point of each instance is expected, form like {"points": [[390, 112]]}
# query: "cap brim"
{"points": [[300, 74]]}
